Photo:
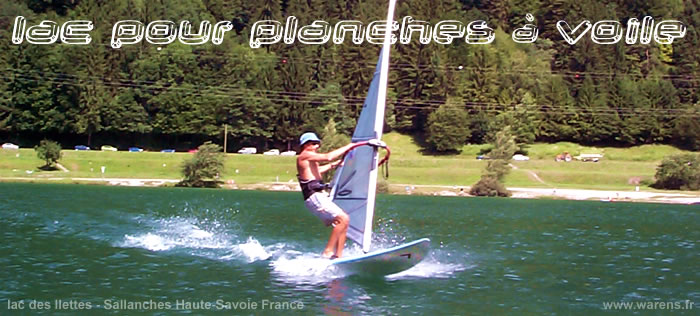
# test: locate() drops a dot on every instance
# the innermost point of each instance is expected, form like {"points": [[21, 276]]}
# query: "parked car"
{"points": [[288, 153], [520, 157], [108, 148], [482, 157], [10, 146], [272, 152], [168, 151], [193, 150], [135, 149], [82, 147], [248, 150]]}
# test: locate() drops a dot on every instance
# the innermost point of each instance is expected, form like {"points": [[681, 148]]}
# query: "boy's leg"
{"points": [[336, 242], [341, 239], [330, 246]]}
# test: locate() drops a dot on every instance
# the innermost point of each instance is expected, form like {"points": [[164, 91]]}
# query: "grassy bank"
{"points": [[408, 165]]}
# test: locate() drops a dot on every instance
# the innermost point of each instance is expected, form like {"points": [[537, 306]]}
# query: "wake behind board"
{"points": [[386, 261]]}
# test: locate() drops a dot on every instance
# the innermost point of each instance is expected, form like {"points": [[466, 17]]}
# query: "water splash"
{"points": [[297, 267], [430, 268], [201, 237], [308, 268], [251, 250], [438, 264], [176, 232], [147, 241]]}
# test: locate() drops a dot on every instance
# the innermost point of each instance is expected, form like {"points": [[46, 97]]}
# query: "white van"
{"points": [[247, 150]]}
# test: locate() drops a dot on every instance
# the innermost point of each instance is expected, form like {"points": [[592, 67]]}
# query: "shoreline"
{"points": [[667, 197]]}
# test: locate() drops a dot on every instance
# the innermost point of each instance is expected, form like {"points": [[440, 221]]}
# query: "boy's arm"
{"points": [[325, 168], [330, 156]]}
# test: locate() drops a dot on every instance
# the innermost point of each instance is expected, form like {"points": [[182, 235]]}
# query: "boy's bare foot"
{"points": [[328, 255]]}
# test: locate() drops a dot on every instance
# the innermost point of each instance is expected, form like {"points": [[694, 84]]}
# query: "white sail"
{"points": [[354, 184]]}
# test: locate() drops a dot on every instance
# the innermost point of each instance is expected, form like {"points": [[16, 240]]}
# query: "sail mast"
{"points": [[384, 71], [355, 183], [379, 123]]}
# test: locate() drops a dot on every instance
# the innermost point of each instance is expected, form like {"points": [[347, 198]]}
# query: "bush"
{"points": [[447, 128], [496, 169], [382, 186], [679, 172], [204, 168], [49, 151], [489, 186]]}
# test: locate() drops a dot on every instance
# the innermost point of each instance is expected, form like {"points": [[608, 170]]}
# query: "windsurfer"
{"points": [[316, 200]]}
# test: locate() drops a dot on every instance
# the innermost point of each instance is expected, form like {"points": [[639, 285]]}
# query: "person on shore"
{"points": [[318, 202]]}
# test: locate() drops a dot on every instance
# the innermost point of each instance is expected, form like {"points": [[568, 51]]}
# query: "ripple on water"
{"points": [[150, 247], [513, 277]]}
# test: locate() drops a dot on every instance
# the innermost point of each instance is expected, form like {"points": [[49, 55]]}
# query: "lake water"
{"points": [[99, 249]]}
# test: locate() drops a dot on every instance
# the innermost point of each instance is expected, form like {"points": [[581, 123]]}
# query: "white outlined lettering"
{"points": [[290, 29], [377, 29], [606, 32], [44, 33], [18, 30], [610, 32], [269, 32], [219, 30], [567, 32], [646, 30], [317, 33], [189, 38], [161, 32], [446, 31], [48, 32], [266, 32], [410, 25], [355, 27], [632, 31], [72, 32], [667, 31], [127, 32], [528, 33], [479, 33]]}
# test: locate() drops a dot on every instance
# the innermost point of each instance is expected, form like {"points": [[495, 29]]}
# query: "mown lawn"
{"points": [[409, 164]]}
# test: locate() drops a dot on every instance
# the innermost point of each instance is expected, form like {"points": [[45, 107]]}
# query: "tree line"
{"points": [[180, 95]]}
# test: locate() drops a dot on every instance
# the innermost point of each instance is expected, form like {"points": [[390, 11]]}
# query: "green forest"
{"points": [[178, 96]]}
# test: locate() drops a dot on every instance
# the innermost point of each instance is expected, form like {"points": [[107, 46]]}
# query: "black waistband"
{"points": [[309, 187]]}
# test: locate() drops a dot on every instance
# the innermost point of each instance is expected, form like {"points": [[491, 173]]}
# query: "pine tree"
{"points": [[661, 99], [555, 110], [497, 168], [685, 57], [686, 128], [623, 99], [591, 116]]}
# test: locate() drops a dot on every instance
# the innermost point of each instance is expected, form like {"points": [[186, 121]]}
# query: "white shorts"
{"points": [[321, 205]]}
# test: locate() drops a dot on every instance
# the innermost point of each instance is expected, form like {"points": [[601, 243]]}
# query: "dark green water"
{"points": [[112, 247]]}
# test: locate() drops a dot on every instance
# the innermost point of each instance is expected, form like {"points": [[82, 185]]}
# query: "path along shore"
{"points": [[408, 189]]}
